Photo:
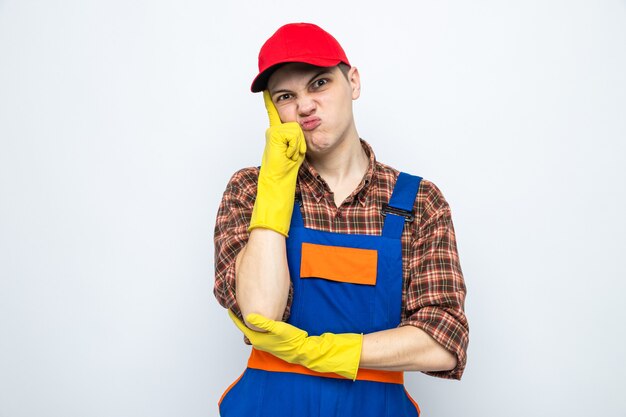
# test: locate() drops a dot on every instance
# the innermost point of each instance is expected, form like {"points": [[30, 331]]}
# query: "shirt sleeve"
{"points": [[435, 293], [231, 235]]}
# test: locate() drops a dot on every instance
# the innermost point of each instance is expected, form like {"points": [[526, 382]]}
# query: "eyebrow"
{"points": [[317, 74]]}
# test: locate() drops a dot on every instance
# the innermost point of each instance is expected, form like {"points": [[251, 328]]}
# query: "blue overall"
{"points": [[322, 305]]}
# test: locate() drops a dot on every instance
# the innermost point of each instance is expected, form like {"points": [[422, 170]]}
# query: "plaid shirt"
{"points": [[433, 291]]}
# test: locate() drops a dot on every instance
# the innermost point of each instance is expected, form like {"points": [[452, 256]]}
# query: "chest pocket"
{"points": [[339, 264]]}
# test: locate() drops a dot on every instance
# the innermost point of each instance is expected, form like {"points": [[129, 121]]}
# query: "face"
{"points": [[320, 100]]}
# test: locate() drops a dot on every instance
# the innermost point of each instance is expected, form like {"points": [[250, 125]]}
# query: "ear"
{"points": [[355, 82]]}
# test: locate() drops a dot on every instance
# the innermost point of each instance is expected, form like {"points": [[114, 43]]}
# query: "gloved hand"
{"points": [[284, 153], [338, 353]]}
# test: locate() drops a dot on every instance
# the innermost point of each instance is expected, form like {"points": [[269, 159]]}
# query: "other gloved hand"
{"points": [[338, 353], [285, 147]]}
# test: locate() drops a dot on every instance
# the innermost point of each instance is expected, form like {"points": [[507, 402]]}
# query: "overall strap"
{"points": [[400, 207]]}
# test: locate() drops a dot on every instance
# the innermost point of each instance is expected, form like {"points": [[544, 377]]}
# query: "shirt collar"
{"points": [[318, 187]]}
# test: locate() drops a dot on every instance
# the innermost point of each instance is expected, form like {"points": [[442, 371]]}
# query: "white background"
{"points": [[122, 121]]}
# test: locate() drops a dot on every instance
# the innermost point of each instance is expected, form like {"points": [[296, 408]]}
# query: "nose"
{"points": [[306, 105]]}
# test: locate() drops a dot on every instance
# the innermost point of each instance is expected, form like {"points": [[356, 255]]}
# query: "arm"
{"points": [[401, 349], [406, 348], [258, 274], [262, 270], [232, 241], [434, 298]]}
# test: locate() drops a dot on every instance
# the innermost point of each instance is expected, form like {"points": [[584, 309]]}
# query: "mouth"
{"points": [[310, 123]]}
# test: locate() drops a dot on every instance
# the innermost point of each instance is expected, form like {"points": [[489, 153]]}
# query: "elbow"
{"points": [[441, 360], [265, 311], [266, 307], [271, 306], [269, 313], [448, 361]]}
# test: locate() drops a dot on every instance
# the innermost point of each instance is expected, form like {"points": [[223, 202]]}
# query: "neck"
{"points": [[346, 163]]}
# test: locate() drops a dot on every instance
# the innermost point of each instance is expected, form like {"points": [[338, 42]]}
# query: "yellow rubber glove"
{"points": [[338, 353], [284, 153]]}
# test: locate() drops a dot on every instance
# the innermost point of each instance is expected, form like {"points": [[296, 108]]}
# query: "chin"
{"points": [[320, 148], [319, 142]]}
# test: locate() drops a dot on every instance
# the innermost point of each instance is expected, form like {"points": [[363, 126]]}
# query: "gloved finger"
{"points": [[295, 140], [272, 113], [261, 322], [292, 148], [240, 324], [302, 146]]}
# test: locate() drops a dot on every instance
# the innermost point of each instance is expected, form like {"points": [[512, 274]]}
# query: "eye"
{"points": [[320, 82], [283, 97]]}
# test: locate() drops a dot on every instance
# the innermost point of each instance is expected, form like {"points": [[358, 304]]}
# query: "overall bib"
{"points": [[342, 283]]}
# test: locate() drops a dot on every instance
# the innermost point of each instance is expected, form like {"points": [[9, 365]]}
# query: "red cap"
{"points": [[297, 42]]}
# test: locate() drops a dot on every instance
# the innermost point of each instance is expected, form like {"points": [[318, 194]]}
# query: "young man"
{"points": [[341, 271]]}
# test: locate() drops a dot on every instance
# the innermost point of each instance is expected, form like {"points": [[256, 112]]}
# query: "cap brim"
{"points": [[260, 82]]}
